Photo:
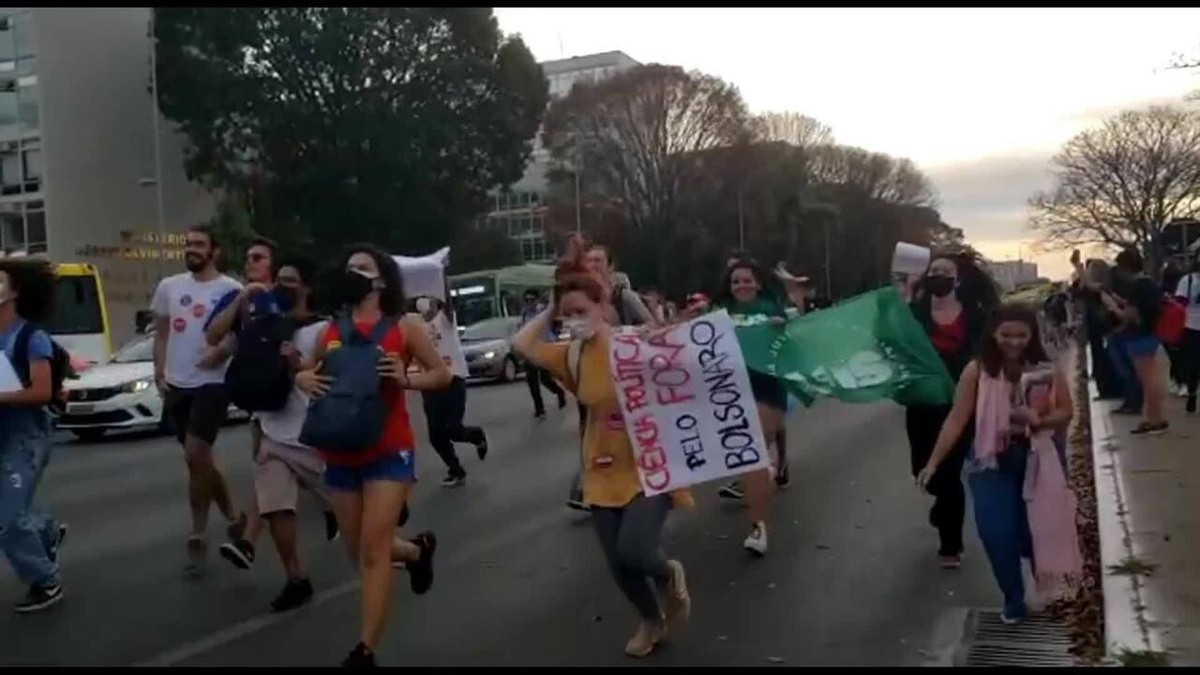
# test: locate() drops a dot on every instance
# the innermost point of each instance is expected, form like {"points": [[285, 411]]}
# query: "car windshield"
{"points": [[489, 329], [138, 350]]}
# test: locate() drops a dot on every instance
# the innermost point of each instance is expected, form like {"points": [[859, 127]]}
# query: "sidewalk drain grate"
{"points": [[1039, 641]]}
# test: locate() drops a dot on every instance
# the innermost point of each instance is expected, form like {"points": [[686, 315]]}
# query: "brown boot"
{"points": [[647, 637]]}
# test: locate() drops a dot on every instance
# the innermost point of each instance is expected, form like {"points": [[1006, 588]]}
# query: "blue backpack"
{"points": [[351, 416]]}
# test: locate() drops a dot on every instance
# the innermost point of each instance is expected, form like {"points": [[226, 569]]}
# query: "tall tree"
{"points": [[793, 128], [341, 123], [1120, 183]]}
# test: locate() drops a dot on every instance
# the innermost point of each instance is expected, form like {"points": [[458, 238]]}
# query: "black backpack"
{"points": [[60, 366], [350, 417], [259, 378]]}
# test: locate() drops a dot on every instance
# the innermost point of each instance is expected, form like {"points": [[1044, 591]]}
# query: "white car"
{"points": [[118, 395]]}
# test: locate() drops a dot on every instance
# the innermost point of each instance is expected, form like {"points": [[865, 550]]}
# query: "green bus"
{"points": [[488, 294]]}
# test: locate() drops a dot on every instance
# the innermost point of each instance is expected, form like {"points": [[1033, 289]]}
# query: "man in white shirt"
{"points": [[190, 375], [282, 464]]}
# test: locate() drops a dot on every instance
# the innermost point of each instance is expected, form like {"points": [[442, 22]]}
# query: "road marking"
{"points": [[237, 631]]}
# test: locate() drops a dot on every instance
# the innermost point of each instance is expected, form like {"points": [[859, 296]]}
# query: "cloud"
{"points": [[986, 197]]}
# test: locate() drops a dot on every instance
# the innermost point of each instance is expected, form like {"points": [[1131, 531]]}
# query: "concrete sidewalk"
{"points": [[1148, 503]]}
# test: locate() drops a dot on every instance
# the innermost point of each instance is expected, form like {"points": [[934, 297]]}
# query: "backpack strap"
{"points": [[345, 328], [20, 352], [380, 331]]}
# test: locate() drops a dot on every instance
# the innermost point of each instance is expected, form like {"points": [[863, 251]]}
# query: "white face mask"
{"points": [[580, 329]]}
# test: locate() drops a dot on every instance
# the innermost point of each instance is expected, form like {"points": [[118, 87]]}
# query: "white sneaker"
{"points": [[757, 541]]}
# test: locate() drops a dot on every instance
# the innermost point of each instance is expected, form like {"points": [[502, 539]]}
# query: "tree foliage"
{"points": [[344, 123], [1120, 183], [792, 128]]}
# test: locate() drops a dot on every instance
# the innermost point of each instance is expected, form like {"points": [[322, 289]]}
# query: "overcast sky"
{"points": [[980, 99]]}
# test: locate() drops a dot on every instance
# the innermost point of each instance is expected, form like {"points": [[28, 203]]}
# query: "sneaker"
{"points": [[331, 527], [1127, 410], [645, 639], [420, 571], [482, 448], [1147, 429], [52, 554], [539, 415], [562, 402], [679, 602], [197, 552], [577, 504], [359, 657], [1011, 620], [950, 562], [453, 479], [237, 528], [1190, 406], [783, 478], [39, 598], [295, 593], [732, 491], [240, 553], [757, 541]]}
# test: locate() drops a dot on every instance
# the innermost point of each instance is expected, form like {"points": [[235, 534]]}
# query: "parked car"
{"points": [[487, 347], [118, 395]]}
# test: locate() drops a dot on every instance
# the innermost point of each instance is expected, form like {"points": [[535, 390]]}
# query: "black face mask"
{"points": [[939, 286], [355, 287], [286, 297]]}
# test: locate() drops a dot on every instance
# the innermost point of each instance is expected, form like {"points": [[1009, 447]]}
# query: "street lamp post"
{"points": [[157, 181]]}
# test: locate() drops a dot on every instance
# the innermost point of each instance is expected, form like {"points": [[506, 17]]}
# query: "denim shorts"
{"points": [[1141, 346], [398, 468]]}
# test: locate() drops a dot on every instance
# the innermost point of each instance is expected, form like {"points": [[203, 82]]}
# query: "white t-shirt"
{"points": [[187, 303], [445, 339], [1193, 297], [283, 426]]}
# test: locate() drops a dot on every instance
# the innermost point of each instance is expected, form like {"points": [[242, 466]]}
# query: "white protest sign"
{"points": [[688, 408], [424, 275]]}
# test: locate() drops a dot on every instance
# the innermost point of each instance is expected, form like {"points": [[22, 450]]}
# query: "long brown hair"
{"points": [[991, 356]]}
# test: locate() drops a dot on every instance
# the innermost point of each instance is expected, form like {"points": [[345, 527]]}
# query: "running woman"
{"points": [[628, 524], [282, 465], [1018, 401], [749, 293], [369, 489], [30, 540], [952, 302], [191, 377]]}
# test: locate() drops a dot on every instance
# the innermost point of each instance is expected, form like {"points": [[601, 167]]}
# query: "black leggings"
{"points": [[1189, 353], [924, 423], [630, 539], [444, 410]]}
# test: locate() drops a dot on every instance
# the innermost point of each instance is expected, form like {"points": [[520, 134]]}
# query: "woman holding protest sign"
{"points": [[750, 293], [1024, 508], [952, 302], [628, 523]]}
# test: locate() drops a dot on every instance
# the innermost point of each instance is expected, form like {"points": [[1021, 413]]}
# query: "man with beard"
{"points": [[190, 376]]}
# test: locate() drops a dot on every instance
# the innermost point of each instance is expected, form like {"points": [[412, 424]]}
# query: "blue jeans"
{"points": [[1131, 389], [27, 538], [1003, 524]]}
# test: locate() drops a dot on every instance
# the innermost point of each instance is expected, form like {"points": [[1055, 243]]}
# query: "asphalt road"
{"points": [[851, 578]]}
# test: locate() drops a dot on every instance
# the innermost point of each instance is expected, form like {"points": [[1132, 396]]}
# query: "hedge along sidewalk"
{"points": [[1148, 507]]}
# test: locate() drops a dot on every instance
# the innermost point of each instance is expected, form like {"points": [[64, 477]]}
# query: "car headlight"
{"points": [[137, 385], [488, 356]]}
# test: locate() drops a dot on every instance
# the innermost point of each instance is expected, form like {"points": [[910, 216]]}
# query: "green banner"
{"points": [[868, 348]]}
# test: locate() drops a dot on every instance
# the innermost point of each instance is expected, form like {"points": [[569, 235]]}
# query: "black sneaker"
{"points": [[403, 516], [240, 553], [52, 554], [783, 478], [482, 448], [39, 598], [331, 527], [453, 479], [237, 529], [539, 415], [420, 571], [577, 504], [732, 491], [359, 657], [295, 593], [1147, 429], [1191, 404]]}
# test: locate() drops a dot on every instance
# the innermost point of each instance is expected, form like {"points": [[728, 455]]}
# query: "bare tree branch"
{"points": [[792, 128]]}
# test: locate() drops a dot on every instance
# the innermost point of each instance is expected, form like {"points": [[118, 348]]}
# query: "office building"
{"points": [[1013, 274], [519, 210], [78, 172]]}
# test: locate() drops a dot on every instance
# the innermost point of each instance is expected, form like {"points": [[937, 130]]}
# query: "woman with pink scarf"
{"points": [[1023, 505]]}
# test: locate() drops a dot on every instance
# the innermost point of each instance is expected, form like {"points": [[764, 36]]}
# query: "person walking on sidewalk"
{"points": [[1189, 348], [30, 539], [952, 303], [1136, 302], [445, 408], [1023, 507], [536, 377]]}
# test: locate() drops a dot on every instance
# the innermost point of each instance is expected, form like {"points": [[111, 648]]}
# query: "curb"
{"points": [[1126, 626]]}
